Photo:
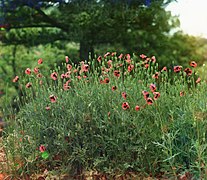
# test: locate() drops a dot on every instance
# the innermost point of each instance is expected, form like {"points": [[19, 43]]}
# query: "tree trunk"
{"points": [[86, 50]]}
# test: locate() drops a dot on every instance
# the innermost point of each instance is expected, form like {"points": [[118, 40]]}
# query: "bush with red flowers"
{"points": [[112, 115]]}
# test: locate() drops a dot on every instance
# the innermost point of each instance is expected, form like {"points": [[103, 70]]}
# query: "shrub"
{"points": [[114, 114]]}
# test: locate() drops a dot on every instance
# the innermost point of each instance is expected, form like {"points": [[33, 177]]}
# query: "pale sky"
{"points": [[192, 15]]}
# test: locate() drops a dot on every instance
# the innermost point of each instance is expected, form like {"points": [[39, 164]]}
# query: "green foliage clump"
{"points": [[114, 114]]}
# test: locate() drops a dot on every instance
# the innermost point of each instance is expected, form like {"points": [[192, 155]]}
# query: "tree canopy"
{"points": [[88, 22]]}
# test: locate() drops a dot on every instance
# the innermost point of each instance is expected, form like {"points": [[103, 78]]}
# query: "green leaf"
{"points": [[45, 155]]}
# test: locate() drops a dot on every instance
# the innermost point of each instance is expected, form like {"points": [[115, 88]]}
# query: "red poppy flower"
{"points": [[79, 77], [193, 64], [156, 95], [66, 59], [16, 79], [106, 81], [117, 73], [109, 63], [198, 80], [153, 87], [149, 101], [39, 75], [85, 67], [113, 53], [164, 69], [36, 70], [107, 70], [47, 108], [137, 108], [130, 67], [146, 94], [153, 59], [177, 68], [28, 71], [66, 87], [143, 56], [125, 106], [120, 56], [54, 76], [53, 98], [107, 54], [188, 71], [69, 67], [109, 113], [67, 74], [182, 93], [114, 88], [146, 66], [156, 75], [128, 58], [28, 85], [40, 61], [124, 95], [147, 60], [42, 148], [99, 59], [62, 76]]}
